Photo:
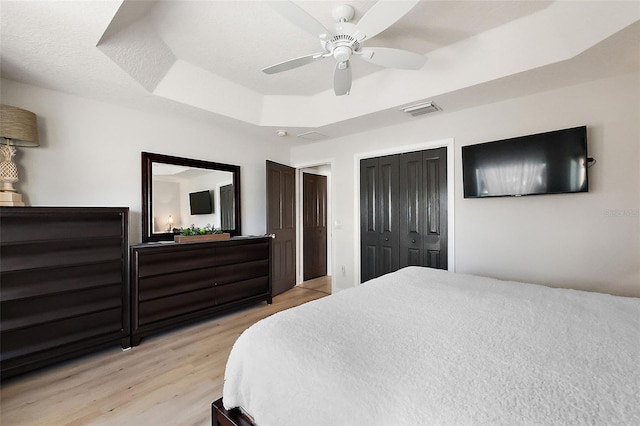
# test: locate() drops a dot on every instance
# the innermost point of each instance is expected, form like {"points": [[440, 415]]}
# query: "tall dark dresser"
{"points": [[63, 284]]}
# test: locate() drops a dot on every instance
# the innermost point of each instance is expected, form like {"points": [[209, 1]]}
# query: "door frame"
{"points": [[304, 168], [446, 143]]}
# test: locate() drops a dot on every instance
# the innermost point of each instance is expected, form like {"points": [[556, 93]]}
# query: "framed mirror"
{"points": [[179, 192]]}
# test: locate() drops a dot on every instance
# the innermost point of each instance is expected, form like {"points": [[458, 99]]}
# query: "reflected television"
{"points": [[200, 202], [545, 163]]}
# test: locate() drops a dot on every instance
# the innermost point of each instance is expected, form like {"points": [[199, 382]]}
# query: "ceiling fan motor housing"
{"points": [[344, 43]]}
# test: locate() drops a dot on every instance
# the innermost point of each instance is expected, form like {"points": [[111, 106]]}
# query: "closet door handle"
{"points": [[386, 239], [413, 241]]}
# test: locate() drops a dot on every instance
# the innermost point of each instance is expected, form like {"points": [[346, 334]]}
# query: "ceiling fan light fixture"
{"points": [[421, 108], [342, 53]]}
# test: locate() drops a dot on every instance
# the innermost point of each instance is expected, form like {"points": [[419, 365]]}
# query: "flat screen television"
{"points": [[200, 202], [545, 163]]}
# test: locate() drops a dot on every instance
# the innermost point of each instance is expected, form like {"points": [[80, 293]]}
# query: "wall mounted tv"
{"points": [[200, 202], [545, 163]]}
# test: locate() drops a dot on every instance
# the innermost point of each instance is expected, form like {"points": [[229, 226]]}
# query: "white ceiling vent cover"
{"points": [[313, 136], [420, 109]]}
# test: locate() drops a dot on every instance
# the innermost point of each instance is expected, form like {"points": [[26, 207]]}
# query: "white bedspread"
{"points": [[430, 347]]}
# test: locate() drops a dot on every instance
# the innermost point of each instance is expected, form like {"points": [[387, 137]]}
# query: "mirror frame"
{"points": [[147, 189]]}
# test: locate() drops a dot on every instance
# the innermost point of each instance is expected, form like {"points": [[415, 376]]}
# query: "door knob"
{"points": [[386, 239], [413, 241]]}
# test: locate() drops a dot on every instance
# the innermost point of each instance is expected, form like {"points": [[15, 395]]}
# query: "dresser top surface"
{"points": [[247, 238]]}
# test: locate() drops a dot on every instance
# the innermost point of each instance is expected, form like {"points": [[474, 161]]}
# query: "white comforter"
{"points": [[429, 347]]}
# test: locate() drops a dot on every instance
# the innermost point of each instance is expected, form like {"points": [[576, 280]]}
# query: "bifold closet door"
{"points": [[423, 209], [379, 192], [403, 212]]}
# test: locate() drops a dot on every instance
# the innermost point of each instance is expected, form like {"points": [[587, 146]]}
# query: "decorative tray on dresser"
{"points": [[174, 284], [63, 283]]}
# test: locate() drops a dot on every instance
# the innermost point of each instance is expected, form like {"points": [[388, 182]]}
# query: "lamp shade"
{"points": [[19, 125]]}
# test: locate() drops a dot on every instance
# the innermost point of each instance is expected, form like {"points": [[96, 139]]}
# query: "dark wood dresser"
{"points": [[63, 283], [173, 284]]}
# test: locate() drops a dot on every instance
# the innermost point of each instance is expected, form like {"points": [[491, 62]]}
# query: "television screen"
{"points": [[200, 202], [545, 163]]}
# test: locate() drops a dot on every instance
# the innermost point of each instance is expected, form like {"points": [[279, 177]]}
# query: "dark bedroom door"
{"points": [[281, 222], [403, 212], [227, 207], [314, 225]]}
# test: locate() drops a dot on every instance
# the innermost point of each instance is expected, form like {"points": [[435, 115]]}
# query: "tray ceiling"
{"points": [[203, 58]]}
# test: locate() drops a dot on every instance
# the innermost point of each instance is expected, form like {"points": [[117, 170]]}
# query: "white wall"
{"points": [[166, 196], [587, 241], [89, 154]]}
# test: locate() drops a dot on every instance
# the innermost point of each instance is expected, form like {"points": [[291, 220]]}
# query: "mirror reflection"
{"points": [[179, 192], [184, 196]]}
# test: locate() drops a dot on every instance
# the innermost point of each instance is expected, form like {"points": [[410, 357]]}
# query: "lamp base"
{"points": [[11, 199]]}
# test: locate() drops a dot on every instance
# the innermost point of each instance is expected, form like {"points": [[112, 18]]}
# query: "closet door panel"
{"points": [[379, 186], [435, 216], [388, 192], [412, 209], [368, 218]]}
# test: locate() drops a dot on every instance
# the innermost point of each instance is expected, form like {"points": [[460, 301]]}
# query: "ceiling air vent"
{"points": [[312, 136], [420, 109]]}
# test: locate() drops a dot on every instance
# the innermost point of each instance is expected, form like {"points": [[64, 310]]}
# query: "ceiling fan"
{"points": [[346, 39]]}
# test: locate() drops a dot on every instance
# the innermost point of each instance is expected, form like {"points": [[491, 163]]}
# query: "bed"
{"points": [[428, 347]]}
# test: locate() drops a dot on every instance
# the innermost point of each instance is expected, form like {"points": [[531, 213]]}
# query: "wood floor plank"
{"points": [[170, 378], [322, 284]]}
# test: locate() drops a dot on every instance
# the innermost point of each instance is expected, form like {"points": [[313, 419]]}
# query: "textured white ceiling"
{"points": [[203, 58], [236, 39]]}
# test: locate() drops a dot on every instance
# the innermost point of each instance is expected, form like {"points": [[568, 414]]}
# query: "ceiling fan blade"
{"points": [[299, 17], [293, 63], [382, 15], [342, 78], [393, 58]]}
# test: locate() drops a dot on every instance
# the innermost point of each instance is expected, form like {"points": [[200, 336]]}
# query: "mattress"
{"points": [[422, 346]]}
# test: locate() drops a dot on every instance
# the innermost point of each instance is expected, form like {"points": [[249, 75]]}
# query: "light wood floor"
{"points": [[169, 379]]}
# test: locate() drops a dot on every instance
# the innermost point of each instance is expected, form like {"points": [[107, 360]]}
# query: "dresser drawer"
{"points": [[29, 283], [241, 272], [56, 253], [37, 225], [170, 284], [241, 290], [242, 253], [54, 334], [167, 307], [23, 313], [173, 261]]}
